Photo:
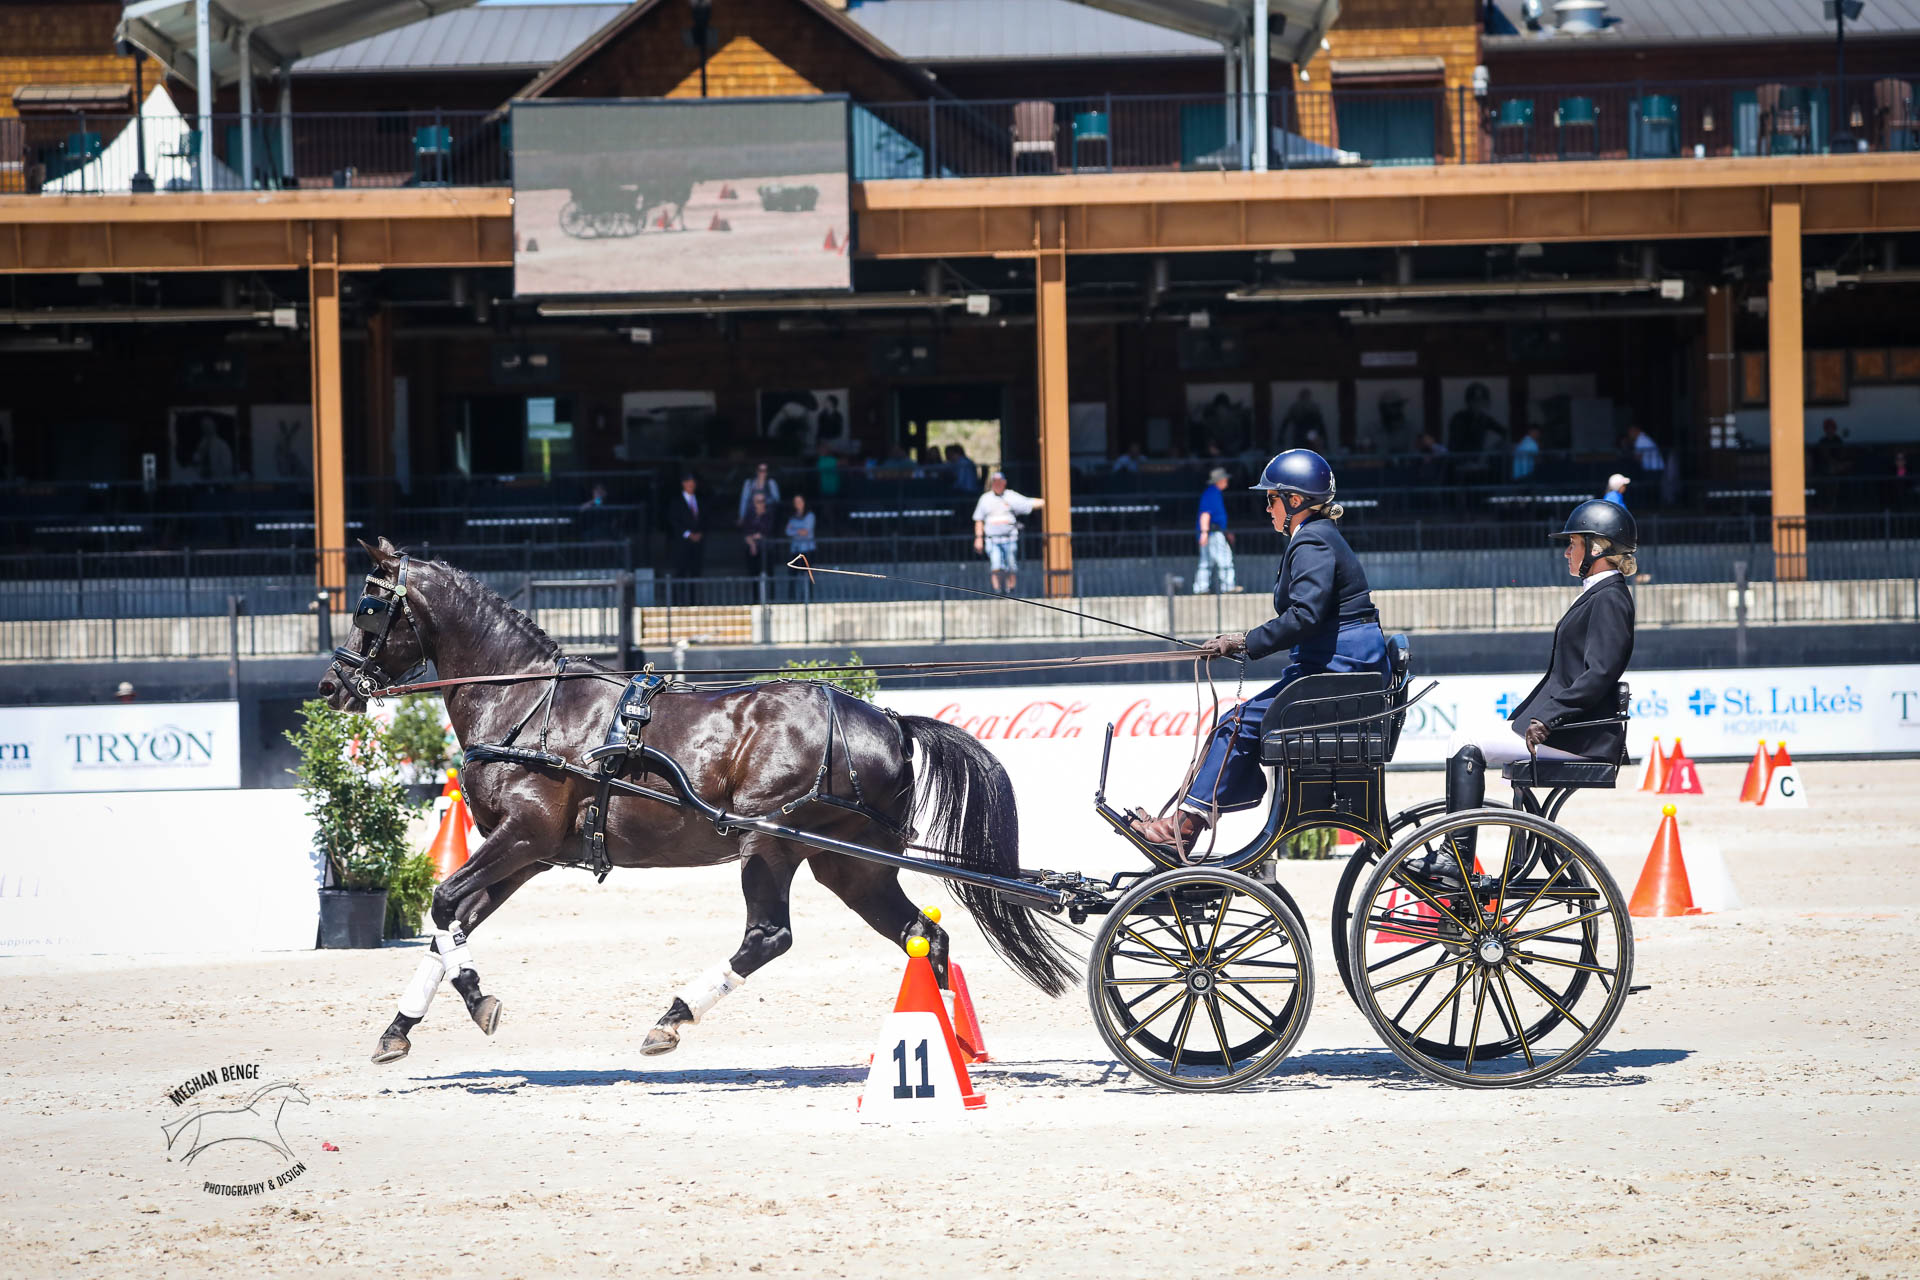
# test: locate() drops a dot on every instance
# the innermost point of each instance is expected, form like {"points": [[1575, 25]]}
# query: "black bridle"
{"points": [[374, 615]]}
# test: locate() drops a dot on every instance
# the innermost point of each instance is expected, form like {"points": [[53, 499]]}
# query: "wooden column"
{"points": [[1786, 388], [1056, 471], [329, 462], [379, 390], [1722, 369]]}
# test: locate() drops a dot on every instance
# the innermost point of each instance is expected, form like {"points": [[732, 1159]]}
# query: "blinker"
{"points": [[368, 614]]}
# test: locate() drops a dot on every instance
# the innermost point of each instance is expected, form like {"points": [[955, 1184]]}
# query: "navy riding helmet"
{"points": [[1300, 471], [1601, 519]]}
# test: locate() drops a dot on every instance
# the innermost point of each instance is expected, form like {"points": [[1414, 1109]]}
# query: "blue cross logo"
{"points": [[1505, 705], [1701, 702]]}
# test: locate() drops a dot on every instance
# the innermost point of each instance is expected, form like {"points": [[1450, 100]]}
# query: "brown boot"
{"points": [[1181, 825]]}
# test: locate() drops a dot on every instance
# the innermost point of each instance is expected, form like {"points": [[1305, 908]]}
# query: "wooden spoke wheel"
{"points": [[1504, 976], [1346, 897], [1201, 979]]}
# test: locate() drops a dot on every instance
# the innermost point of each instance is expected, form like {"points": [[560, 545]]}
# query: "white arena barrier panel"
{"points": [[179, 871], [117, 747]]}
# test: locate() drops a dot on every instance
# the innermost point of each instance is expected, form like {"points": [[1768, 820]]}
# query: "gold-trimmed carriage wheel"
{"points": [[1502, 978], [1354, 875], [1201, 979]]}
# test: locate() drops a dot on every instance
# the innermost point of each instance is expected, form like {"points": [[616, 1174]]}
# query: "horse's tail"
{"points": [[965, 811]]}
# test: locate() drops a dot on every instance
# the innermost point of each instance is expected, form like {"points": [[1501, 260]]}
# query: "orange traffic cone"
{"points": [[966, 1023], [1663, 889], [1683, 778], [917, 1071], [727, 192], [1753, 787], [832, 245], [1656, 768], [1783, 785], [449, 849], [719, 224], [452, 788]]}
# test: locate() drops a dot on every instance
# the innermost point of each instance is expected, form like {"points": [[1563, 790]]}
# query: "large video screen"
{"points": [[666, 196]]}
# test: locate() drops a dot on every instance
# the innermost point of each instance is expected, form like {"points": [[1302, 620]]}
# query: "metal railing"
{"points": [[85, 152], [1426, 578]]}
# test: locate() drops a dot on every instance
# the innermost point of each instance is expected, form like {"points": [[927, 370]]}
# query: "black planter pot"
{"points": [[352, 917], [424, 792]]}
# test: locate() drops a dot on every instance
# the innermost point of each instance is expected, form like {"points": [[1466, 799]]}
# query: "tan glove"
{"points": [[1231, 645]]}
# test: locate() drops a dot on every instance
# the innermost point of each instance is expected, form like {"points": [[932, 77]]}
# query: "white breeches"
{"points": [[1504, 748]]}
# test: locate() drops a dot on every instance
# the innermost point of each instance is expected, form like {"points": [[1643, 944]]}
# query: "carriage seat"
{"points": [[1562, 773], [1291, 733]]}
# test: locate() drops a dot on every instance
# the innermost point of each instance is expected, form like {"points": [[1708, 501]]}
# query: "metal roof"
{"points": [[527, 37], [1304, 25], [278, 32], [1663, 22], [1012, 30]]}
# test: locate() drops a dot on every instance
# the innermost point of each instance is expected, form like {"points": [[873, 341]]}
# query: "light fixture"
{"points": [[1443, 289], [979, 304], [725, 306], [286, 318], [1673, 290], [1200, 319], [1706, 120], [1530, 250]]}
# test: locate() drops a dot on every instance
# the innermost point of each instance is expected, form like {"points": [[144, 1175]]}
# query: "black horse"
{"points": [[748, 749]]}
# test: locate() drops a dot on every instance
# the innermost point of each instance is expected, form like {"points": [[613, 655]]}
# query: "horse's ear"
{"points": [[382, 555]]}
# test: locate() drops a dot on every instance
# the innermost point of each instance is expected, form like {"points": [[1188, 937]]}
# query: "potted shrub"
{"points": [[851, 676], [422, 743], [350, 780]]}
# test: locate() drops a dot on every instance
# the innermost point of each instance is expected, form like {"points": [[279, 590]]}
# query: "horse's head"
{"points": [[386, 647]]}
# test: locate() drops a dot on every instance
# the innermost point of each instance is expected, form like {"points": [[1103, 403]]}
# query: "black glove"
{"points": [[1536, 734], [1231, 645]]}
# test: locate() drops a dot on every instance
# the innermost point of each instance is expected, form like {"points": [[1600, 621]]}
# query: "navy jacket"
{"points": [[1591, 649], [1321, 588]]}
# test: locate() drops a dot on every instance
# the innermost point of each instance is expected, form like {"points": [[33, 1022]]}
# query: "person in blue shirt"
{"points": [[1617, 490], [1325, 616], [1216, 544]]}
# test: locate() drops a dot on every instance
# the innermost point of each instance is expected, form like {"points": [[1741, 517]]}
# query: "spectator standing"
{"points": [[1302, 419], [800, 539], [1130, 460], [756, 528], [1526, 454], [1646, 454], [760, 482], [125, 692], [1216, 544], [996, 529], [1617, 490], [685, 522]]}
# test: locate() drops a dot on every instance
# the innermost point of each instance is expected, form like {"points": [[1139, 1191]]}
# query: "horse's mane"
{"points": [[483, 596]]}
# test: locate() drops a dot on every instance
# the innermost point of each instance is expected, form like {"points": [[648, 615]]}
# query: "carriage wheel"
{"points": [[1201, 979], [573, 221], [1346, 897], [1505, 978]]}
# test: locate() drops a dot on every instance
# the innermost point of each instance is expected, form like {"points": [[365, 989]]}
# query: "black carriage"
{"points": [[602, 207], [1488, 947]]}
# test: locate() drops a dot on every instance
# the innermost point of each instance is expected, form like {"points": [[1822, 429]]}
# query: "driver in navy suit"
{"points": [[1324, 614]]}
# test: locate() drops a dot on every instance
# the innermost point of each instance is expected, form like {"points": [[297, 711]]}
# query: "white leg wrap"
{"points": [[445, 956], [426, 980], [705, 991]]}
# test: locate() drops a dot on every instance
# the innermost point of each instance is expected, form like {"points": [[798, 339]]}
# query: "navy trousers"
{"points": [[1231, 775]]}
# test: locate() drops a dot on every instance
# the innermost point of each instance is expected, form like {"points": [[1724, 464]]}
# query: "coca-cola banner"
{"points": [[1049, 737]]}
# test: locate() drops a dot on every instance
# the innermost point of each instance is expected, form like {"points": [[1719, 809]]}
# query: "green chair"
{"points": [[1656, 131], [432, 155], [1577, 113], [1091, 127], [1513, 130]]}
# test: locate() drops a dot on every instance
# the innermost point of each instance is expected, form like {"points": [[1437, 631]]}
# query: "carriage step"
{"points": [[1645, 986]]}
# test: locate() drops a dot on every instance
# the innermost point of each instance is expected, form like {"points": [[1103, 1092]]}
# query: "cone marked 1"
{"points": [[1656, 768], [917, 1072], [1663, 889], [1753, 787], [1683, 777]]}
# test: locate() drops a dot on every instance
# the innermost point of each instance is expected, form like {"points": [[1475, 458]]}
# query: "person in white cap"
{"points": [[996, 528], [125, 692], [1617, 490]]}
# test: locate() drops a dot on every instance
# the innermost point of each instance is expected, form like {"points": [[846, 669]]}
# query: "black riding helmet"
{"points": [[1608, 521], [1300, 471]]}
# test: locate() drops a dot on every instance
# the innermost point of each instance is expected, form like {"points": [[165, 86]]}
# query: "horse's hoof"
{"points": [[660, 1040], [392, 1049], [486, 1014]]}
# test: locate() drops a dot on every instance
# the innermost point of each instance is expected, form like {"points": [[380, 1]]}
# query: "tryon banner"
{"points": [[134, 746]]}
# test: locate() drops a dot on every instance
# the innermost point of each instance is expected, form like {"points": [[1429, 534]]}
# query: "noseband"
{"points": [[374, 615]]}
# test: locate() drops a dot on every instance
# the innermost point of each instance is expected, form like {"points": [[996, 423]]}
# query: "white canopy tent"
{"points": [[219, 42], [167, 160], [1244, 29]]}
